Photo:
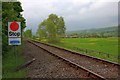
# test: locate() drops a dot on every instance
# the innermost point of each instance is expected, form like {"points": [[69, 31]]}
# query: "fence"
{"points": [[96, 52]]}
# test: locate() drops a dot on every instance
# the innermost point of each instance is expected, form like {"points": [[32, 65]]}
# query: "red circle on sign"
{"points": [[14, 26]]}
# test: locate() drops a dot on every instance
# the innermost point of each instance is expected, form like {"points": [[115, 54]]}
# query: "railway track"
{"points": [[48, 66], [94, 67]]}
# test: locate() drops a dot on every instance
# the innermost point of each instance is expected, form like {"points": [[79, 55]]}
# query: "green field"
{"points": [[105, 45]]}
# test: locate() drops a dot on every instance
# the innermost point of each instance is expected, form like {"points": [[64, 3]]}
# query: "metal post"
{"points": [[15, 55]]}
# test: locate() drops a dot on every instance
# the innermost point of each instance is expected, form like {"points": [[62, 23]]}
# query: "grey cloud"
{"points": [[77, 16]]}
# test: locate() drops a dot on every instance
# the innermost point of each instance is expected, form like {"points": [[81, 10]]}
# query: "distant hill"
{"points": [[95, 30], [111, 31]]}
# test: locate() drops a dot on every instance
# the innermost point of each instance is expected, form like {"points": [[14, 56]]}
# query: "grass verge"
{"points": [[10, 62]]}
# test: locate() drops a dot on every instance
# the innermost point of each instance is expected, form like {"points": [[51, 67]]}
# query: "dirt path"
{"points": [[48, 66]]}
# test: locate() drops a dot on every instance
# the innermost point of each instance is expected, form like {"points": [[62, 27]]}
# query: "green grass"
{"points": [[106, 45], [10, 63], [0, 67], [109, 45]]}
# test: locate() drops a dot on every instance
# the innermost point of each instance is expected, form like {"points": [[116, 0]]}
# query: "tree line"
{"points": [[93, 35]]}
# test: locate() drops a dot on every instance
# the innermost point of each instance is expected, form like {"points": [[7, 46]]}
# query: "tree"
{"points": [[52, 28], [11, 11], [28, 33]]}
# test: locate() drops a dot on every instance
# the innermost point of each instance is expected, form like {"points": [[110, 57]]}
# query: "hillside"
{"points": [[95, 30], [111, 31]]}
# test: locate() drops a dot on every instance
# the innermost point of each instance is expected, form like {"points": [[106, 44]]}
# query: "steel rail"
{"points": [[88, 72]]}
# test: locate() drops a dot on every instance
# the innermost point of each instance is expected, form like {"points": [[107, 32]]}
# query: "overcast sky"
{"points": [[78, 14]]}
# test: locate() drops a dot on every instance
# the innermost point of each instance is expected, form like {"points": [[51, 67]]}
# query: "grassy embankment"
{"points": [[10, 63], [105, 45]]}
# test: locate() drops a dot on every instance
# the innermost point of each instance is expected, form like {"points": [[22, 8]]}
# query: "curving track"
{"points": [[93, 66]]}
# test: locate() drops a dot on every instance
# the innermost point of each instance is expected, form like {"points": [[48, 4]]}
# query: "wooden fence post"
{"points": [[99, 52], [86, 50], [108, 55]]}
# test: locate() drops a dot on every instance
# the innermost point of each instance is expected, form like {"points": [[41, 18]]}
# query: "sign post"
{"points": [[14, 36]]}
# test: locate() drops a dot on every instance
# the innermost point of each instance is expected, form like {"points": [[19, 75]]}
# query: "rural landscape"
{"points": [[57, 44]]}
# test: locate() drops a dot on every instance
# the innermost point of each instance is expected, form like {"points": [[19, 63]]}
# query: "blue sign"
{"points": [[14, 41]]}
